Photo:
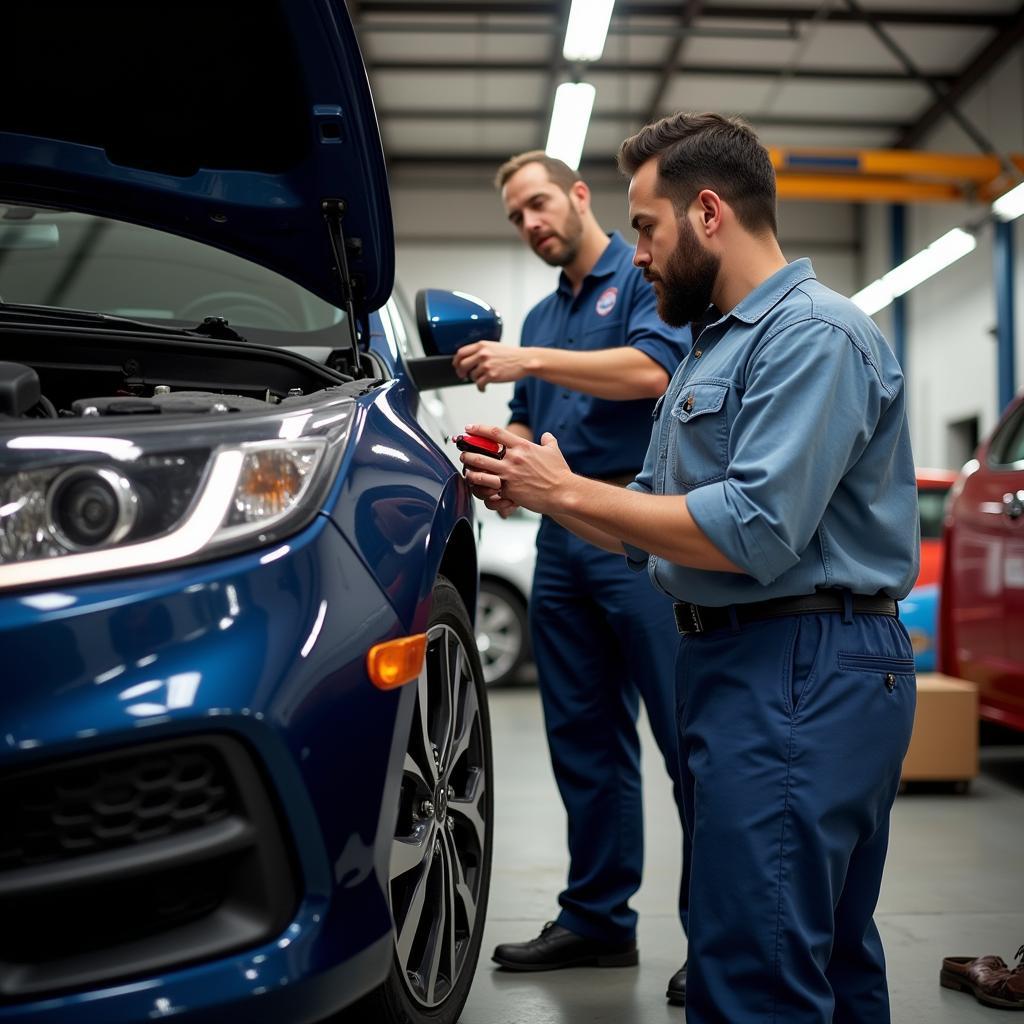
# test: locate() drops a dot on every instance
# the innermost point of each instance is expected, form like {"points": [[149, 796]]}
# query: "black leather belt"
{"points": [[695, 618]]}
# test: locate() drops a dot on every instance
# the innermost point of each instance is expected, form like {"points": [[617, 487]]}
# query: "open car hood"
{"points": [[232, 124]]}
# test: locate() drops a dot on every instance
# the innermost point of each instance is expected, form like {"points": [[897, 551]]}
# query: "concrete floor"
{"points": [[954, 886]]}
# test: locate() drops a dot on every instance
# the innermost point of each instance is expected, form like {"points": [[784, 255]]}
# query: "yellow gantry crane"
{"points": [[891, 175]]}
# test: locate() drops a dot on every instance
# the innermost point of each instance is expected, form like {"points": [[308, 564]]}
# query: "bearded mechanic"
{"points": [[593, 359], [777, 506]]}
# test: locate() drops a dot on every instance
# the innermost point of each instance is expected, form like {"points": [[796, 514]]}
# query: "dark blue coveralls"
{"points": [[602, 637], [786, 430]]}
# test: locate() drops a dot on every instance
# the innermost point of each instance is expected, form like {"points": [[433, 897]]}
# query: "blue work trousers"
{"points": [[793, 733], [602, 639]]}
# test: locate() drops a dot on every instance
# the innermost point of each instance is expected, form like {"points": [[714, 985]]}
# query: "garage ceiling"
{"points": [[472, 82]]}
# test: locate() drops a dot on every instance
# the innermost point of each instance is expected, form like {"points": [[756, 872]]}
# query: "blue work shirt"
{"points": [[786, 429], [599, 437]]}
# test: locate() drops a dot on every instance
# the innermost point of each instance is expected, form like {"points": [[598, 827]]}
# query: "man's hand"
{"points": [[492, 498], [490, 362], [531, 475], [537, 477]]}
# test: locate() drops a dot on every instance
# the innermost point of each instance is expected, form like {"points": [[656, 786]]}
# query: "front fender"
{"points": [[402, 503]]}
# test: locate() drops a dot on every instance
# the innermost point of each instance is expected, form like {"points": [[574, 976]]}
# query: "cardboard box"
{"points": [[944, 744]]}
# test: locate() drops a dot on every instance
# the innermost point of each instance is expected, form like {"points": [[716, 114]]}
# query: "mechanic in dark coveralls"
{"points": [[594, 356], [777, 505]]}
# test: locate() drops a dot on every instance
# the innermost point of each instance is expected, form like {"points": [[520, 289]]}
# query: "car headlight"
{"points": [[93, 504]]}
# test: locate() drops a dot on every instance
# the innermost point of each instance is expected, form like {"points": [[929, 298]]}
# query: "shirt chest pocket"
{"points": [[698, 450], [603, 335]]}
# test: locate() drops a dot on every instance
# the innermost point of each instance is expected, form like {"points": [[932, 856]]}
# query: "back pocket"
{"points": [[699, 446], [875, 663], [891, 671]]}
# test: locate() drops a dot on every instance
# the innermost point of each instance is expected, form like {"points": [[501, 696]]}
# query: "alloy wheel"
{"points": [[440, 845]]}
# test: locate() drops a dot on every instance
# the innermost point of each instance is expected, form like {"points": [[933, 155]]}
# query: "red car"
{"points": [[981, 618]]}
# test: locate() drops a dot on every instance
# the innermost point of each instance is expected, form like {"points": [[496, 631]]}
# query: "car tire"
{"points": [[441, 854], [502, 632]]}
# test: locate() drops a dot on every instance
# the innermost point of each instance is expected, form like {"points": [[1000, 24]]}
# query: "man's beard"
{"points": [[687, 280], [570, 241]]}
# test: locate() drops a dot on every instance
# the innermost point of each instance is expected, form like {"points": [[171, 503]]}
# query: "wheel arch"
{"points": [[459, 564]]}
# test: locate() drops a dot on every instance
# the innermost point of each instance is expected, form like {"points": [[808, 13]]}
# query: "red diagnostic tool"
{"points": [[479, 445]]}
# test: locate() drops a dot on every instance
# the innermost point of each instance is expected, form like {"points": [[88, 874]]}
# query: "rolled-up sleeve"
{"points": [[667, 346], [636, 558], [807, 414], [519, 404]]}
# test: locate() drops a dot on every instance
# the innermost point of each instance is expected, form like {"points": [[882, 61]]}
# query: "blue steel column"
{"points": [[1002, 259], [898, 253]]}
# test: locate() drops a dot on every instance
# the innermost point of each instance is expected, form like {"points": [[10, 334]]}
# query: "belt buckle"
{"points": [[688, 618]]}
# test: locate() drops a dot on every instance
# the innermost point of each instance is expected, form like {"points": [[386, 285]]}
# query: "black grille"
{"points": [[136, 861], [105, 803]]}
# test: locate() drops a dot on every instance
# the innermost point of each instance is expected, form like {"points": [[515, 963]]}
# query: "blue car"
{"points": [[245, 765]]}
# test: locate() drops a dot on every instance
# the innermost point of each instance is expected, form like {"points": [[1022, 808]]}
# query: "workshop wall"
{"points": [[459, 239], [951, 344]]}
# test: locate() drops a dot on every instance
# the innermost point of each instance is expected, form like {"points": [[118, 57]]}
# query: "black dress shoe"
{"points": [[558, 947], [676, 993]]}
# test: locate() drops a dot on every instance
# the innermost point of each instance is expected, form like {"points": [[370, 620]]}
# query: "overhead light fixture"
{"points": [[587, 29], [1011, 205], [940, 254], [570, 119], [875, 297]]}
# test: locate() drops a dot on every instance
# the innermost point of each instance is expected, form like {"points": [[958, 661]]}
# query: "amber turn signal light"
{"points": [[396, 662]]}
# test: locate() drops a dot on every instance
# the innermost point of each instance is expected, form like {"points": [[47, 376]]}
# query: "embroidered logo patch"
{"points": [[606, 301]]}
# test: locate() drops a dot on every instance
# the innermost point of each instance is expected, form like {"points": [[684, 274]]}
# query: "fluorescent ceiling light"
{"points": [[940, 254], [1010, 206], [876, 296], [587, 29], [569, 121]]}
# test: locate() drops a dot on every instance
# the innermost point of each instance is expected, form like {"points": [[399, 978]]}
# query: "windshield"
{"points": [[78, 261]]}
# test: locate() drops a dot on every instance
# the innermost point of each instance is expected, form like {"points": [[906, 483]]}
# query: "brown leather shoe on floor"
{"points": [[987, 978]]}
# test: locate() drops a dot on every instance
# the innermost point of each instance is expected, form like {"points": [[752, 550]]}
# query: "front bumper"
{"points": [[266, 653]]}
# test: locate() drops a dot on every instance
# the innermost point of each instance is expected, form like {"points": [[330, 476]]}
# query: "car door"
{"points": [[974, 604], [1007, 461], [984, 611]]}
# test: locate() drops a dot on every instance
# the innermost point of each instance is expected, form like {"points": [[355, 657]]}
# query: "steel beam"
{"points": [[551, 76], [897, 254], [618, 68], [543, 27], [820, 187], [831, 175], [949, 107], [646, 10], [627, 117], [957, 167], [1002, 266], [689, 14], [848, 188], [1005, 40]]}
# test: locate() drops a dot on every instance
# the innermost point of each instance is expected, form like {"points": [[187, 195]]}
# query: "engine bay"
{"points": [[52, 374]]}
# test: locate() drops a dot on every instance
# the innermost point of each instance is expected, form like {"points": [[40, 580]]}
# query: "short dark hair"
{"points": [[558, 171], [697, 151]]}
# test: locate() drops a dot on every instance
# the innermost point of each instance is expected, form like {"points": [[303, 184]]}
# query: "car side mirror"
{"points": [[447, 321]]}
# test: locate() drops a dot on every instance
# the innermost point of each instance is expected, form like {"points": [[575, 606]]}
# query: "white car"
{"points": [[506, 551]]}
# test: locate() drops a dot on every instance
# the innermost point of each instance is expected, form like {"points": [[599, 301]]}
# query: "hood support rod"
{"points": [[334, 211]]}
